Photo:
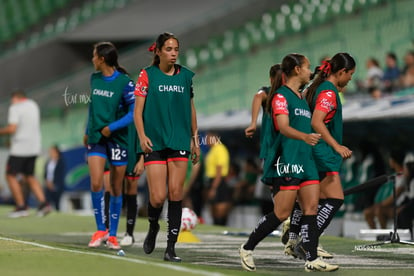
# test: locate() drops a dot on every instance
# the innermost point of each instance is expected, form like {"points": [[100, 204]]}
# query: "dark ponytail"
{"points": [[289, 63], [108, 51], [338, 62], [158, 45]]}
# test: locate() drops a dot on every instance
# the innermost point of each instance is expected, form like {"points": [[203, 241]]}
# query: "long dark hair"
{"points": [[159, 42], [289, 63], [338, 62], [108, 51]]}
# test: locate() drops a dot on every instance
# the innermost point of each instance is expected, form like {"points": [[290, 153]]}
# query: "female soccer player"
{"points": [[165, 118], [110, 112], [289, 168], [323, 99]]}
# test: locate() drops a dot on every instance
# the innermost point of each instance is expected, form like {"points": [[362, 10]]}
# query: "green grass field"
{"points": [[57, 245]]}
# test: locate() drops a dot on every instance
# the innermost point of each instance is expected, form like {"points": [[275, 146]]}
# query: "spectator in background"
{"points": [[54, 176], [219, 194], [406, 210], [24, 128], [407, 77], [384, 210], [375, 92], [372, 165], [391, 77], [245, 189], [374, 73]]}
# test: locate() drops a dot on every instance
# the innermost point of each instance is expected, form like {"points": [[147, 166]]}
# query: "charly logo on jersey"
{"points": [[171, 88], [182, 152], [283, 168], [103, 93], [302, 112]]}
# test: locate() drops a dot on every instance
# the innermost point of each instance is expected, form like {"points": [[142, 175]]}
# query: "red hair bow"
{"points": [[152, 47], [325, 67]]}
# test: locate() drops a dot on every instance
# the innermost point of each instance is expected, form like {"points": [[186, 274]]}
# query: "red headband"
{"points": [[152, 47], [325, 67]]}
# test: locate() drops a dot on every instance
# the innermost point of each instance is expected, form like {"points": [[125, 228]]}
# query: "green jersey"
{"points": [[167, 110], [110, 101], [287, 157], [266, 124], [134, 148], [327, 100]]}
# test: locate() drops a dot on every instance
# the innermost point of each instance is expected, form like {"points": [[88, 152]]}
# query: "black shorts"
{"points": [[224, 193], [164, 156], [18, 164]]}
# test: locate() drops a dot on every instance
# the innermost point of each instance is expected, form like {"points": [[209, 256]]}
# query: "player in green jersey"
{"points": [[324, 101], [289, 169], [110, 112], [166, 123]]}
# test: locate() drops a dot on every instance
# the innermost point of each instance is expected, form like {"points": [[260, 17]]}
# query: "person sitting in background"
{"points": [[384, 210], [54, 176], [372, 165], [406, 210], [374, 74], [375, 92], [407, 77], [390, 79]]}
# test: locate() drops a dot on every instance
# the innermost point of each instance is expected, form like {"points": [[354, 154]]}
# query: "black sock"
{"points": [[295, 221], [327, 212], [310, 237], [174, 222], [107, 196], [132, 209], [266, 225], [322, 202], [153, 214]]}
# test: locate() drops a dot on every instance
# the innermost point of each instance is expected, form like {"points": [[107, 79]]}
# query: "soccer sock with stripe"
{"points": [[115, 206], [310, 237], [132, 209], [174, 223], [266, 225], [98, 209], [327, 212], [107, 196]]}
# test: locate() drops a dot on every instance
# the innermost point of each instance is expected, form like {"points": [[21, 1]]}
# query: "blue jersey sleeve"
{"points": [[128, 100]]}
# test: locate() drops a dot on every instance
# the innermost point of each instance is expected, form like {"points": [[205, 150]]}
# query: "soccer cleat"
{"points": [[43, 210], [19, 212], [112, 243], [285, 231], [323, 253], [97, 238], [300, 252], [127, 240], [149, 242], [246, 259], [319, 265], [290, 248], [171, 257]]}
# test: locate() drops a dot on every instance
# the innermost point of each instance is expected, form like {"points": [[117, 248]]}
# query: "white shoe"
{"points": [[18, 213], [290, 247], [127, 240], [246, 259], [319, 265], [323, 253], [284, 237]]}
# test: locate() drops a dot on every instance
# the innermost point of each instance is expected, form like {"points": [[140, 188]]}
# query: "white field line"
{"points": [[168, 266]]}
